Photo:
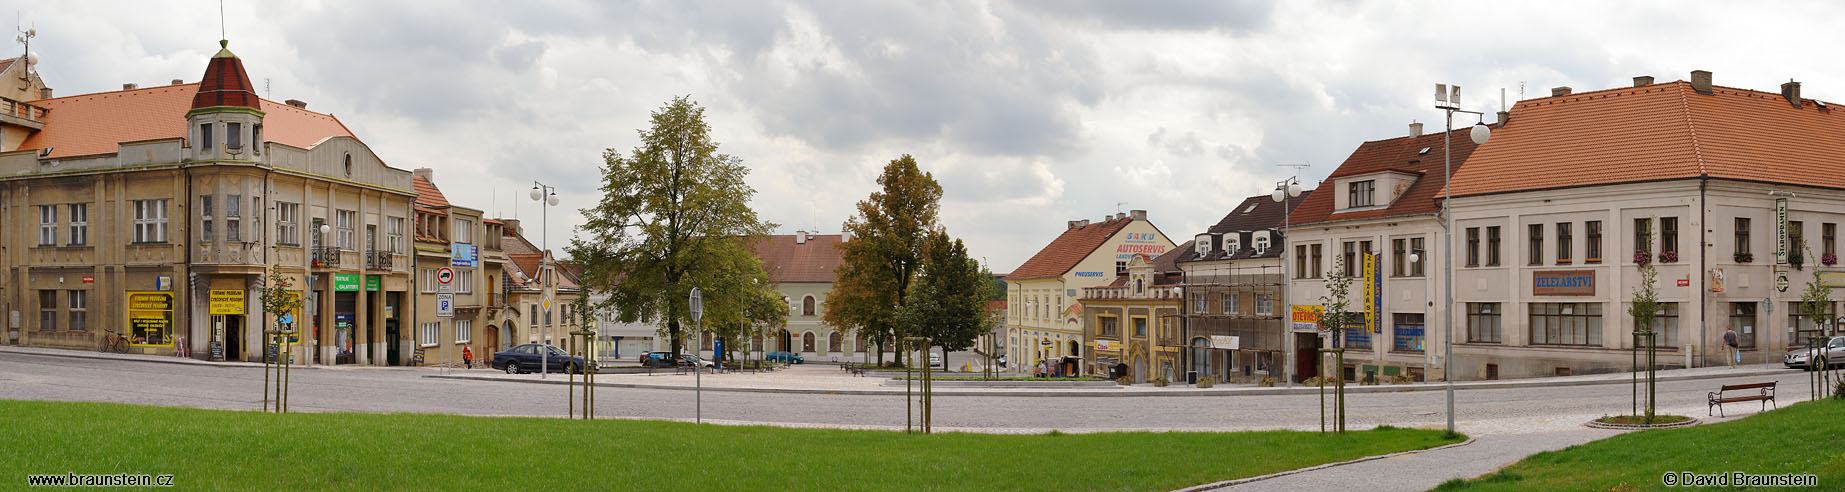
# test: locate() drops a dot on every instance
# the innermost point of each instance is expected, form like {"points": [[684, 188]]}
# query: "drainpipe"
{"points": [[1703, 260]]}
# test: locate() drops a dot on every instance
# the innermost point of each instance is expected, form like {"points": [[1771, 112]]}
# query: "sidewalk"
{"points": [[1415, 472], [167, 359]]}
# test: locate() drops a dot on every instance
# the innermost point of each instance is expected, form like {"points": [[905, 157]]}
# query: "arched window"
{"points": [[807, 306], [756, 342], [807, 342], [1261, 244], [704, 341], [1075, 349], [1140, 286], [835, 342], [861, 343]]}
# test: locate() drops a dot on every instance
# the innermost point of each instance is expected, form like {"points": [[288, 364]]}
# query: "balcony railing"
{"points": [[327, 257], [23, 110], [379, 260]]}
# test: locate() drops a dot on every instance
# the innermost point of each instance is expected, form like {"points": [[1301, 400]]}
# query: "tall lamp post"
{"points": [[1285, 191], [546, 196], [1448, 99]]}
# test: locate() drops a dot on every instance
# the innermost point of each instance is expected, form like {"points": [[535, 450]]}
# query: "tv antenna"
{"points": [[1118, 206]]}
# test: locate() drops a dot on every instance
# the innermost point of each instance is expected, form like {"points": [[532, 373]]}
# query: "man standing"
{"points": [[1730, 345]]}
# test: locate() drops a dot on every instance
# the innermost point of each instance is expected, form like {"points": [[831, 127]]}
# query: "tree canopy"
{"points": [[948, 300], [889, 232]]}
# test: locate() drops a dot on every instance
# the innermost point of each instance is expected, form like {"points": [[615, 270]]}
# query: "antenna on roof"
{"points": [[1118, 206], [1521, 90], [221, 20]]}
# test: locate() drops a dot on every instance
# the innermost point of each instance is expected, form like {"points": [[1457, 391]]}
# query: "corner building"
{"points": [[1044, 321]]}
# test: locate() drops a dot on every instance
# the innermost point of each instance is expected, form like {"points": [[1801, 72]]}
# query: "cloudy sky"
{"points": [[1029, 113]]}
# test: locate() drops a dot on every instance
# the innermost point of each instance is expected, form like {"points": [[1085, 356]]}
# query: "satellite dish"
{"points": [[31, 59]]}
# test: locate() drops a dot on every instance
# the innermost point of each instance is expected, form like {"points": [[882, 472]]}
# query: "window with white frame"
{"points": [[48, 225], [394, 233], [429, 280], [1265, 304], [1261, 244], [464, 281], [1230, 303], [429, 333], [464, 330], [150, 224], [1232, 244], [464, 231], [206, 234], [233, 218], [79, 224], [344, 221], [288, 223], [1199, 305], [79, 310]]}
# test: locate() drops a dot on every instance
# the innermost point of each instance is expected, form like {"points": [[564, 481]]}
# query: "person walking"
{"points": [[467, 357], [1730, 346]]}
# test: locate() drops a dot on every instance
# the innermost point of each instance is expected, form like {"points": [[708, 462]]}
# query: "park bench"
{"points": [[1764, 392]]}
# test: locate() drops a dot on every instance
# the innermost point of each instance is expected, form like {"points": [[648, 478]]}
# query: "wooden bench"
{"points": [[1764, 392]]}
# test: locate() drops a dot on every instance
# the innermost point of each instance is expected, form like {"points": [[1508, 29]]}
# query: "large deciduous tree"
{"points": [[674, 215], [948, 301], [890, 233]]}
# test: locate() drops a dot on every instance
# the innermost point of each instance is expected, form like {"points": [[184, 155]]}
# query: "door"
{"points": [[233, 337], [492, 343], [391, 343], [1306, 356]]}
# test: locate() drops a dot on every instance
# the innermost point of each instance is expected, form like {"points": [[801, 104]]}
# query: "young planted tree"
{"points": [[279, 298], [669, 215], [1334, 318], [1816, 304], [889, 235], [1644, 307], [948, 301]]}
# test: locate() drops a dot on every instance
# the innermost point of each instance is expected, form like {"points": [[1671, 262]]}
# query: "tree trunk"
{"points": [[672, 334]]}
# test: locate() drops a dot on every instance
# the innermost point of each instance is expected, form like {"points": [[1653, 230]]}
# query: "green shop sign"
{"points": [[373, 283], [345, 282]]}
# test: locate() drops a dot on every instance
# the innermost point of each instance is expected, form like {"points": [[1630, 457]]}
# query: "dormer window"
{"points": [[1261, 244], [1230, 245], [1203, 245], [1361, 193]]}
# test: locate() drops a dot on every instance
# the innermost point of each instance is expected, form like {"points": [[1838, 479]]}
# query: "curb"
{"points": [[1598, 425], [74, 354], [1240, 481], [1117, 391]]}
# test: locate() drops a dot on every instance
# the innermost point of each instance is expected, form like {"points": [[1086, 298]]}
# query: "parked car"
{"points": [[1802, 358], [935, 359], [698, 361], [526, 358], [783, 356]]}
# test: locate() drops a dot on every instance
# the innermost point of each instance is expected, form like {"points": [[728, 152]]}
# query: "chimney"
{"points": [[1070, 225], [426, 173], [1415, 129], [1700, 81], [1643, 81], [1138, 214], [44, 93], [130, 86], [297, 103], [1791, 92], [513, 225], [800, 237], [1503, 116], [1563, 90], [178, 81], [1085, 223]]}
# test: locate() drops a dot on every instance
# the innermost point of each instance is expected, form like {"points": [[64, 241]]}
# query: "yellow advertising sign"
{"points": [[1306, 318], [150, 318], [227, 302], [1371, 292], [1828, 278]]}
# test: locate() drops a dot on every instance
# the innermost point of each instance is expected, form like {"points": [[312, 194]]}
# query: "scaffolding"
{"points": [[1256, 319]]}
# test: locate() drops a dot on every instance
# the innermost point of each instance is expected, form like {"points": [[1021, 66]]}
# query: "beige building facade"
{"points": [[1043, 323]]}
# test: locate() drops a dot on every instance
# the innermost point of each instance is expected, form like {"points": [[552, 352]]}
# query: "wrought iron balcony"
{"points": [[327, 257], [379, 260]]}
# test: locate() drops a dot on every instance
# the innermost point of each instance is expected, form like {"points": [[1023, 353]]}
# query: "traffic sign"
{"points": [[445, 275], [445, 305]]}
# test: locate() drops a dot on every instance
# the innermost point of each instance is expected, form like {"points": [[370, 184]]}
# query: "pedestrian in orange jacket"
{"points": [[467, 357]]}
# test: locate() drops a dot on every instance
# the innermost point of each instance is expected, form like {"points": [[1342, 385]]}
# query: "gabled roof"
{"points": [[1656, 132], [91, 124], [1068, 249], [1260, 212], [1402, 154], [427, 195], [786, 261]]}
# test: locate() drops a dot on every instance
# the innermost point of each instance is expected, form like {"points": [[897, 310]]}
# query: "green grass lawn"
{"points": [[1801, 438], [213, 449]]}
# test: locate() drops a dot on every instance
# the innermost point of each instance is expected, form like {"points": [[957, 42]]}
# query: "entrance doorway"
{"points": [[1306, 356], [492, 343], [233, 337], [391, 343]]}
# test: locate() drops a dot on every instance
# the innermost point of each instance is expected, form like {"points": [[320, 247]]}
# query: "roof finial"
{"points": [[224, 44]]}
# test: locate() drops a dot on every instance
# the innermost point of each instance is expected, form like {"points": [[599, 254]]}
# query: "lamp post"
{"points": [[1285, 191], [697, 305], [545, 195], [1448, 99]]}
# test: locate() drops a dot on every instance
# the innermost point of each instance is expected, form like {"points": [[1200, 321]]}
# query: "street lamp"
{"points": [[545, 195], [1448, 99], [1285, 191]]}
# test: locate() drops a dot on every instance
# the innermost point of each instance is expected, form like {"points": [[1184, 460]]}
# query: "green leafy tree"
{"points": [[670, 212], [279, 297], [889, 235], [1336, 304], [1644, 307], [740, 281], [948, 300]]}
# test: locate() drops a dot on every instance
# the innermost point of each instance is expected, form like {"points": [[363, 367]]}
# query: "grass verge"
{"points": [[226, 450], [1800, 438]]}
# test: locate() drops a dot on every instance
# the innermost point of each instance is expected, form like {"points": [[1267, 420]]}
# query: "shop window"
{"points": [[1742, 321], [1483, 322], [1665, 325], [1800, 328], [1566, 323], [1407, 332]]}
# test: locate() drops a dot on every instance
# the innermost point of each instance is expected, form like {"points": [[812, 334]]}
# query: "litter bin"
{"points": [[1191, 377]]}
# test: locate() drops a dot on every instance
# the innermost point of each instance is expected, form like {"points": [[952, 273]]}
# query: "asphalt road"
{"points": [[1483, 411]]}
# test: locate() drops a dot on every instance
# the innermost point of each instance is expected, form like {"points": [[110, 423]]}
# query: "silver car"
{"points": [[1834, 355]]}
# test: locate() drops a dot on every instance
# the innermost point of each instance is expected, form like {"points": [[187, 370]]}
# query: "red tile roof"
{"points": [[91, 124], [785, 261], [1402, 154], [1067, 250], [1661, 131], [225, 83], [428, 196]]}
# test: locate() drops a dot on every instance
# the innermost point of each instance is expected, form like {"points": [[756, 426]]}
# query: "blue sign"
{"points": [[288, 319], [1408, 338], [464, 255], [717, 351], [1088, 274]]}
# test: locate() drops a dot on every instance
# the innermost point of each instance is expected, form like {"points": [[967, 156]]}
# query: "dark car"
{"points": [[525, 358], [659, 359]]}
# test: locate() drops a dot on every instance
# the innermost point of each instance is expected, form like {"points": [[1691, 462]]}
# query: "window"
{"points": [[464, 330], [1742, 320], [429, 284], [1265, 304], [1140, 327], [233, 136], [1120, 267], [288, 223], [807, 306], [394, 234], [856, 341], [1564, 244], [1399, 258], [1407, 335], [150, 221], [464, 281], [1742, 236], [1415, 247], [1261, 244], [534, 310], [1492, 246], [1231, 303], [1300, 262], [1232, 244], [1360, 194], [1357, 337], [1317, 272], [1643, 235], [343, 221], [1665, 324], [1593, 247], [256, 139], [1566, 323], [1108, 326], [205, 137], [1796, 238], [206, 234], [1828, 237], [47, 310], [807, 342], [48, 225], [1536, 232], [1800, 328], [233, 218], [1473, 246], [464, 231], [1351, 259], [1668, 234], [835, 343], [1483, 322], [429, 333], [1198, 304], [79, 224], [79, 310]]}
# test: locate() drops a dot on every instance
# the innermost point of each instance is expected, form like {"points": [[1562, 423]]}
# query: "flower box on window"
{"points": [[1642, 257], [1668, 257], [1744, 257]]}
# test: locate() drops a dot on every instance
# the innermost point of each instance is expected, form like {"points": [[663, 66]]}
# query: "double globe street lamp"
{"points": [[1448, 99], [545, 195]]}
